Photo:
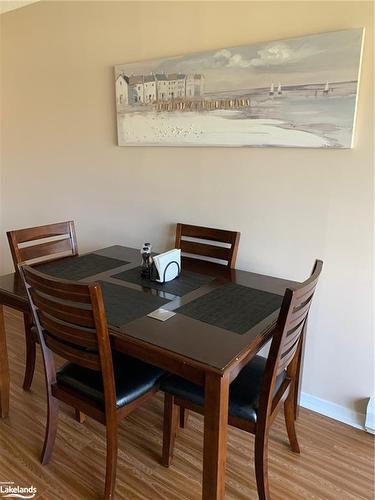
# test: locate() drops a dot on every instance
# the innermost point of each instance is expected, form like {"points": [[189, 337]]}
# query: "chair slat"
{"points": [[78, 356], [301, 311], [42, 249], [287, 358], [76, 296], [296, 319], [57, 287], [299, 302], [287, 348], [207, 233], [205, 250], [296, 329], [300, 293], [209, 250], [289, 339], [40, 232], [67, 313], [68, 332], [285, 363]]}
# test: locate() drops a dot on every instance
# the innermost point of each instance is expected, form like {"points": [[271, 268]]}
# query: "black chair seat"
{"points": [[244, 391], [133, 378]]}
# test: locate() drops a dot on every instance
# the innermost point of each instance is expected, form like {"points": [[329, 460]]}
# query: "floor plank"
{"points": [[336, 461]]}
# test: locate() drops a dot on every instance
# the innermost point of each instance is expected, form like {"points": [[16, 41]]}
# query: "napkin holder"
{"points": [[166, 266]]}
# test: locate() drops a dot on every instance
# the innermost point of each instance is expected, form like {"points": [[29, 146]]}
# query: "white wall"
{"points": [[60, 161]]}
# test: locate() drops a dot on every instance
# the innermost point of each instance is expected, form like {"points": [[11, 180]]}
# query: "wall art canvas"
{"points": [[300, 92]]}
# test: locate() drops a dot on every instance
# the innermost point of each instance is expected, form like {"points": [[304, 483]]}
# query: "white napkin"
{"points": [[172, 257]]}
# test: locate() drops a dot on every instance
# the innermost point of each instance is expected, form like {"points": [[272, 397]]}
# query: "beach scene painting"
{"points": [[299, 92]]}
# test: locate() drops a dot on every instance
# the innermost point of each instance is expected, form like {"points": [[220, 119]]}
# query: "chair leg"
{"points": [[30, 352], [289, 413], [80, 417], [170, 429], [111, 461], [261, 464], [184, 416], [51, 429]]}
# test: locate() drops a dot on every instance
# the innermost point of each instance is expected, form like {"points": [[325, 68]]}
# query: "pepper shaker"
{"points": [[146, 261]]}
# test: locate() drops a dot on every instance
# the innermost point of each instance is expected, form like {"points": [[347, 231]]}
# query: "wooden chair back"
{"points": [[71, 322], [287, 340], [42, 243], [205, 247]]}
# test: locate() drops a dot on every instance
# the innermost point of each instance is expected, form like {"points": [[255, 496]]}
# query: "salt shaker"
{"points": [[146, 260]]}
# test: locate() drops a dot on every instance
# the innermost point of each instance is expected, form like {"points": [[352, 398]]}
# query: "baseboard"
{"points": [[333, 410]]}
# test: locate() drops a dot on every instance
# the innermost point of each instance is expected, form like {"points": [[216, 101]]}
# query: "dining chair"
{"points": [[39, 244], [70, 321], [262, 385], [218, 244]]}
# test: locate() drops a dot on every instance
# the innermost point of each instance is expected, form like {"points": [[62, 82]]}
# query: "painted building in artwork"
{"points": [[189, 86], [194, 85], [136, 89], [122, 87], [146, 89], [181, 86], [172, 86], [162, 87], [149, 89]]}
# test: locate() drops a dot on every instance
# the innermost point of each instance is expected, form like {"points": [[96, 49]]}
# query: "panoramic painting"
{"points": [[300, 92]]}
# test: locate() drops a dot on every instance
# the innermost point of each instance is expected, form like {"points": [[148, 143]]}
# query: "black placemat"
{"points": [[78, 268], [123, 304], [233, 307], [185, 283]]}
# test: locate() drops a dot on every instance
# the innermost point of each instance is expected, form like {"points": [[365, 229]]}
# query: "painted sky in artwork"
{"points": [[309, 59]]}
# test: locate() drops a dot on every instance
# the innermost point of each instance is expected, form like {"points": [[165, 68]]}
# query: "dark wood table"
{"points": [[199, 351]]}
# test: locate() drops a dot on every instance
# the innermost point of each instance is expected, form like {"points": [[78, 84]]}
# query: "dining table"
{"points": [[223, 318]]}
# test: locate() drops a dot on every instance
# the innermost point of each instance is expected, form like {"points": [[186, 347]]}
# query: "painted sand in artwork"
{"points": [[300, 92]]}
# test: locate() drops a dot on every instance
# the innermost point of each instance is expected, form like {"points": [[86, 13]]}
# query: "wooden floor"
{"points": [[336, 461]]}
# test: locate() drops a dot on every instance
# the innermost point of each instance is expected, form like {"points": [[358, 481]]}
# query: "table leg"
{"points": [[4, 369], [215, 436]]}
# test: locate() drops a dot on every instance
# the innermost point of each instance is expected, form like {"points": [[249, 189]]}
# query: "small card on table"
{"points": [[161, 314]]}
